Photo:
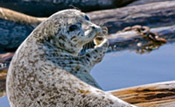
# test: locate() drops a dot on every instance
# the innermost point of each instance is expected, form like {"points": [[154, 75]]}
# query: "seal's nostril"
{"points": [[93, 27], [97, 29]]}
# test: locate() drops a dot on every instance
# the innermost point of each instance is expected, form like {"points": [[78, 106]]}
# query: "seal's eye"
{"points": [[87, 18], [73, 27]]}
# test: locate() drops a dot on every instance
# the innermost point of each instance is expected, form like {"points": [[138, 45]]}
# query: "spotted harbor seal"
{"points": [[47, 70]]}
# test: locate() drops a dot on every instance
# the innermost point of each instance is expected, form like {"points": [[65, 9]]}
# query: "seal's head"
{"points": [[69, 30]]}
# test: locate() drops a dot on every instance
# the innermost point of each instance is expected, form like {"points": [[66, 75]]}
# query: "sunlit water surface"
{"points": [[126, 68]]}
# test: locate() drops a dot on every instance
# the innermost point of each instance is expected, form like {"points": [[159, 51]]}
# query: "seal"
{"points": [[47, 70]]}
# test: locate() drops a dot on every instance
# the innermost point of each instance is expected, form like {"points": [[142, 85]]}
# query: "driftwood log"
{"points": [[48, 7], [3, 74], [152, 15], [139, 2], [4, 63], [15, 27], [132, 40], [152, 95]]}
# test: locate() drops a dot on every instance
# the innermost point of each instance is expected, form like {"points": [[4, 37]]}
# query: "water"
{"points": [[4, 102], [126, 68]]}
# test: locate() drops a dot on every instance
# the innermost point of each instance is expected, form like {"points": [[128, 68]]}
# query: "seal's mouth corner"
{"points": [[99, 34]]}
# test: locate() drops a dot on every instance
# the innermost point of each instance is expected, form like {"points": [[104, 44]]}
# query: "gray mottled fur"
{"points": [[46, 70]]}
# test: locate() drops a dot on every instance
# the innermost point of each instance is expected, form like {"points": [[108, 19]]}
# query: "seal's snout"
{"points": [[98, 30]]}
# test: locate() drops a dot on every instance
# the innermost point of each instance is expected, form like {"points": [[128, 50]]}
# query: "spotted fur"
{"points": [[47, 70]]}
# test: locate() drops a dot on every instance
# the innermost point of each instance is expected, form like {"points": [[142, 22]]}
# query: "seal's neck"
{"points": [[61, 49], [72, 52]]}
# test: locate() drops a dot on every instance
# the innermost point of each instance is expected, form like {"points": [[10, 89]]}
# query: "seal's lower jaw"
{"points": [[99, 36]]}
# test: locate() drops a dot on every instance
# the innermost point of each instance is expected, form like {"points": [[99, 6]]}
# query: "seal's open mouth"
{"points": [[98, 38]]}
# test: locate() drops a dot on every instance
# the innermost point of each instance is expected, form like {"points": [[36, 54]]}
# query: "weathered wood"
{"points": [[14, 16], [131, 40], [152, 95], [139, 2], [15, 27], [3, 74], [5, 60], [48, 7], [4, 63], [152, 15]]}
